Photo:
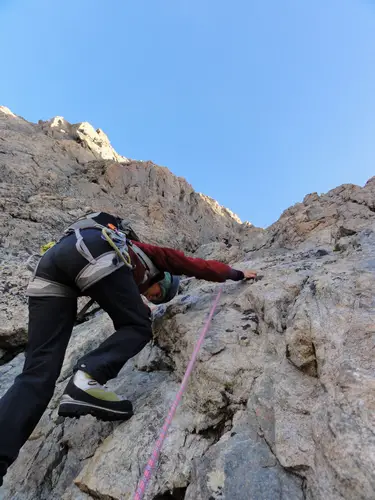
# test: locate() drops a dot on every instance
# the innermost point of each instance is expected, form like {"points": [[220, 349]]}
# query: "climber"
{"points": [[92, 259]]}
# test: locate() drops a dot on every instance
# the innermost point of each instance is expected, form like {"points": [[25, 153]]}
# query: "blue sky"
{"points": [[255, 103]]}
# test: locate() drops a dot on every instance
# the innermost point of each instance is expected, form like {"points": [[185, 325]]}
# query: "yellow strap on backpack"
{"points": [[47, 246]]}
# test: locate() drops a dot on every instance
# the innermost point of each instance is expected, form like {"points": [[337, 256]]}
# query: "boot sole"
{"points": [[77, 410]]}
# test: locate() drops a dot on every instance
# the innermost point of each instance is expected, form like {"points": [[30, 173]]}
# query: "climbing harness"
{"points": [[122, 236], [33, 261], [152, 462], [117, 240]]}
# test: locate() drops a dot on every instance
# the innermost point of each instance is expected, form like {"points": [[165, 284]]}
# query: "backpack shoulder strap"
{"points": [[151, 269], [83, 224], [86, 222]]}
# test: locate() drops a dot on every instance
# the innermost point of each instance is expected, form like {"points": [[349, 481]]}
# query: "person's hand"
{"points": [[250, 274]]}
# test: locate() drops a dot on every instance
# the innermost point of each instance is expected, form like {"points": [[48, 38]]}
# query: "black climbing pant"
{"points": [[51, 320]]}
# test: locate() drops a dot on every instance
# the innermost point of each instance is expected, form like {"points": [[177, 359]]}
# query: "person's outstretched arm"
{"points": [[176, 262]]}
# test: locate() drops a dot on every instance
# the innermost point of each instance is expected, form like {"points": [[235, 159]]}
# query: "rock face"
{"points": [[281, 402], [329, 219], [54, 172]]}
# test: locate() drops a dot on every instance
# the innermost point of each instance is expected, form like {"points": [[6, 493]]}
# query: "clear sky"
{"points": [[255, 102]]}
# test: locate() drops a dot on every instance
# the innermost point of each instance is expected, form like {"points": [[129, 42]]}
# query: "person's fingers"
{"points": [[250, 274]]}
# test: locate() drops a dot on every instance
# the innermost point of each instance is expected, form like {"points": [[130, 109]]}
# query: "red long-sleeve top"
{"points": [[176, 262]]}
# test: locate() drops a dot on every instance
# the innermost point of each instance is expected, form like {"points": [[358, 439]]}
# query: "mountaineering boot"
{"points": [[85, 396]]}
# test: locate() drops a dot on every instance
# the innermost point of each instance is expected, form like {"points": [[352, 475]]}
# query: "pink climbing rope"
{"points": [[151, 464]]}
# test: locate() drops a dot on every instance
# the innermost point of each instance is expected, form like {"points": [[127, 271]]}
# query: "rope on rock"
{"points": [[152, 462]]}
